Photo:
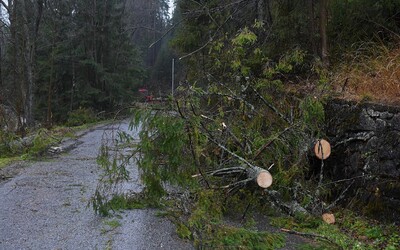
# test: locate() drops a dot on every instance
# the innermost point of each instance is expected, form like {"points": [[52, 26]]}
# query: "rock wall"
{"points": [[365, 141]]}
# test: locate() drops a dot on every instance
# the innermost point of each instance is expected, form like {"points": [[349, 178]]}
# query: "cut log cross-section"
{"points": [[322, 149], [262, 177]]}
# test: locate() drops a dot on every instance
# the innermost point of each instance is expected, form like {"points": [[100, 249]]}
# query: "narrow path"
{"points": [[44, 206]]}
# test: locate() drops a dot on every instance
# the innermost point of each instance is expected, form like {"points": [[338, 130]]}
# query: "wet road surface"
{"points": [[44, 205]]}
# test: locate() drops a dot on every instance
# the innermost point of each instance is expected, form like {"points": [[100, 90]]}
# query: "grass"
{"points": [[7, 161], [370, 74], [228, 237], [349, 232], [112, 223], [207, 227], [43, 139]]}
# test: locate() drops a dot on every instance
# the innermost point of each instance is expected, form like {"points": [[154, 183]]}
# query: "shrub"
{"points": [[81, 116], [6, 146]]}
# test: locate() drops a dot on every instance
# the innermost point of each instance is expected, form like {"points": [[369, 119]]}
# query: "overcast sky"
{"points": [[171, 7]]}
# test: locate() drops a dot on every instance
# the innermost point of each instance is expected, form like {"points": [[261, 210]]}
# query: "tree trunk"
{"points": [[50, 86], [29, 57], [255, 174], [261, 10], [264, 12], [1, 60], [323, 33], [261, 176], [17, 83], [311, 15]]}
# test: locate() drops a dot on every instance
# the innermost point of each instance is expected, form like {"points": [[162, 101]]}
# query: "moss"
{"points": [[6, 161]]}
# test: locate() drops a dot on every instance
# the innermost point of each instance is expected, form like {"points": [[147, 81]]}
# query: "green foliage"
{"points": [[41, 142], [206, 227], [4, 161], [162, 158], [237, 101], [6, 143], [36, 145], [183, 231], [120, 202], [298, 222], [112, 223], [163, 151], [101, 71], [208, 209], [81, 116], [313, 113], [106, 197], [245, 38], [373, 234], [349, 232], [239, 238]]}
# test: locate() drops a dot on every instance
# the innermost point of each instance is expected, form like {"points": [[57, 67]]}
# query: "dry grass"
{"points": [[373, 74]]}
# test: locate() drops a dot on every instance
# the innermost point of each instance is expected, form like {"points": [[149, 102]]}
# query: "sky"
{"points": [[171, 7]]}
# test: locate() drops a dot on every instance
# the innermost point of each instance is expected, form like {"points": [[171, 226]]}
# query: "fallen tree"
{"points": [[228, 134], [259, 176]]}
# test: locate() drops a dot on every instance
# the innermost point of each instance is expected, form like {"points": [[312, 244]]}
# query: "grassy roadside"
{"points": [[40, 141], [8, 160]]}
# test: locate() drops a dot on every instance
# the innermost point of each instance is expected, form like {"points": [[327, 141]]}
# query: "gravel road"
{"points": [[43, 205]]}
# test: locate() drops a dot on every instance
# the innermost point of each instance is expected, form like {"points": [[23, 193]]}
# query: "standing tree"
{"points": [[24, 18]]}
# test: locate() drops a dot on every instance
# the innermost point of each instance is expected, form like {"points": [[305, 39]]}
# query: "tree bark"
{"points": [[261, 10], [29, 57], [261, 176], [255, 174], [312, 36], [323, 32], [50, 86], [264, 12]]}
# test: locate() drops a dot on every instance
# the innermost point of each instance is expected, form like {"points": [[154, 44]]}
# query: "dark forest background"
{"points": [[62, 55]]}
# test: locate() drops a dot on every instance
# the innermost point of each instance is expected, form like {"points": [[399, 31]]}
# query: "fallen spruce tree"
{"points": [[220, 141], [223, 147], [230, 132], [239, 120]]}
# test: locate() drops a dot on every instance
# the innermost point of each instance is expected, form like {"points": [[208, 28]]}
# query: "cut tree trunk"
{"points": [[260, 176], [254, 173]]}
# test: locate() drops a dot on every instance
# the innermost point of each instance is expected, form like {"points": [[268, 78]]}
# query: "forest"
{"points": [[255, 83], [61, 56]]}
